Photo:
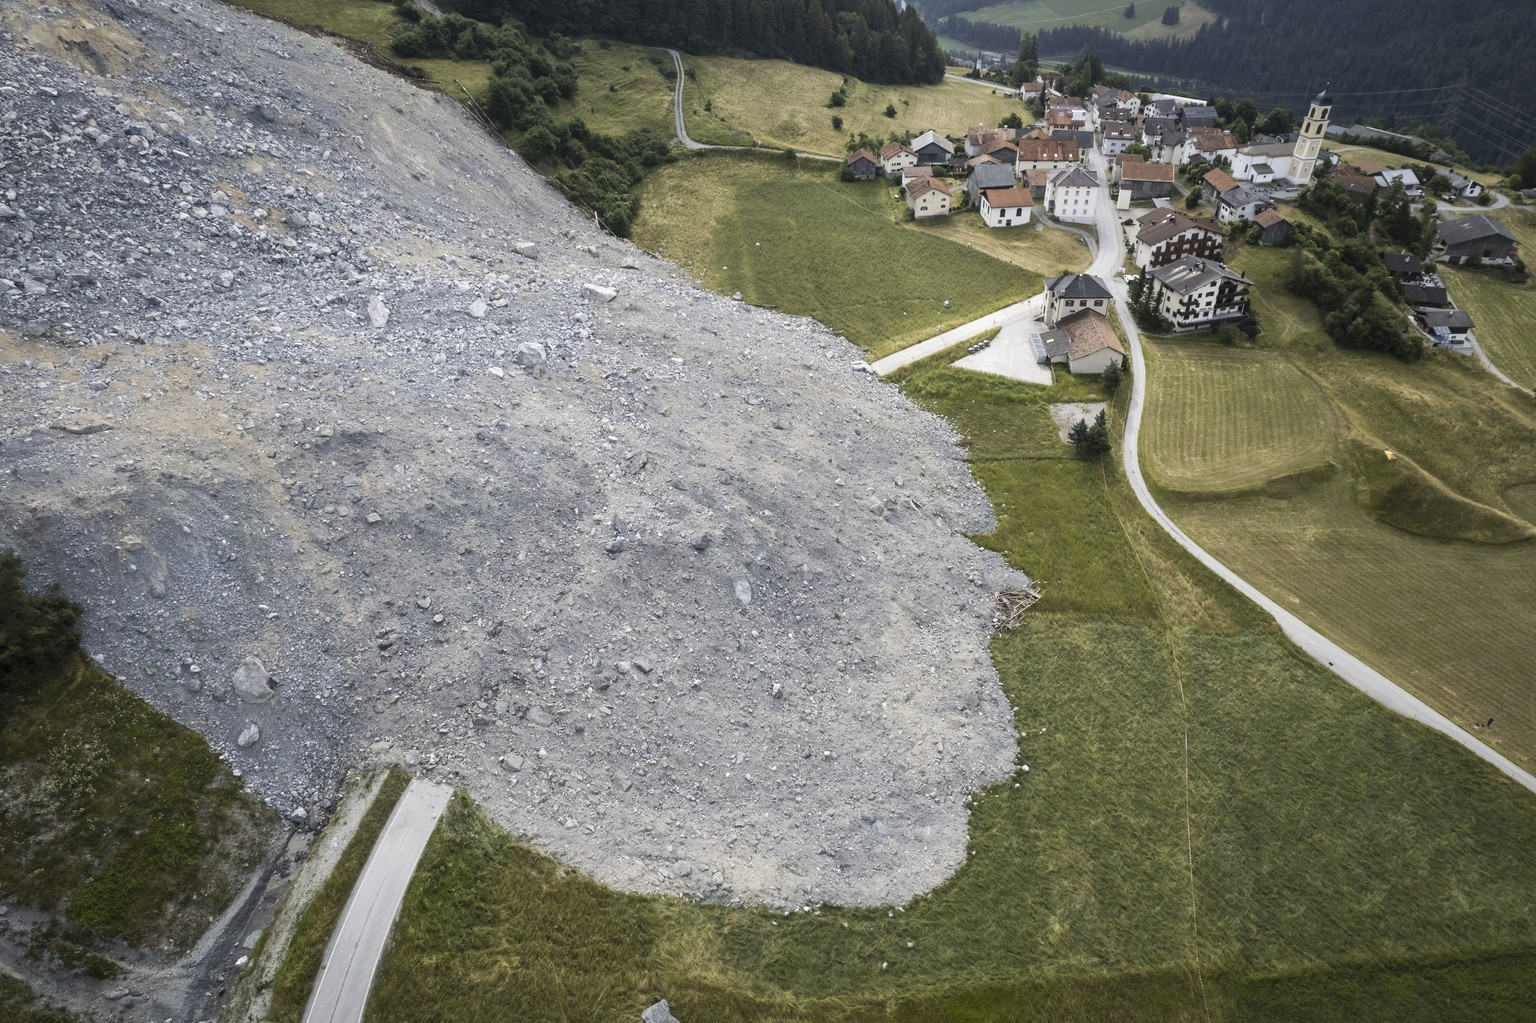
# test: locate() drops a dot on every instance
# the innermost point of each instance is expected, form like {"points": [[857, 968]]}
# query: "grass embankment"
{"points": [[19, 1004], [1502, 310], [621, 88], [1412, 563], [295, 979], [790, 236], [1031, 247], [371, 21], [786, 106], [116, 817], [1212, 828]]}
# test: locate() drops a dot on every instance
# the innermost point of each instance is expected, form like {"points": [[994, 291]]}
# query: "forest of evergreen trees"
{"points": [[984, 35], [1360, 46], [869, 39]]}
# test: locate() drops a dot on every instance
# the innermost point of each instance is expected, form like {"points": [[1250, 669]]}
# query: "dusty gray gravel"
{"points": [[304, 378]]}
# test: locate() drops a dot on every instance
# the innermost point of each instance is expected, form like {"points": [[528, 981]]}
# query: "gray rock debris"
{"points": [[294, 464], [661, 1012]]}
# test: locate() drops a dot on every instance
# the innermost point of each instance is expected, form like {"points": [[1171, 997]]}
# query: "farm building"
{"points": [[1476, 237], [862, 165], [1084, 342]]}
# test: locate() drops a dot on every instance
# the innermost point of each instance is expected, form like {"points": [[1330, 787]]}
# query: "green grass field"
{"points": [[620, 89], [1212, 829], [1030, 247], [1038, 15], [790, 236], [115, 817], [781, 105], [1230, 418], [1375, 553]]}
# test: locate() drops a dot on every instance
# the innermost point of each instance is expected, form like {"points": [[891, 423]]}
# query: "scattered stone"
{"points": [[539, 716], [512, 762], [530, 355], [253, 684], [378, 312], [478, 309], [250, 735], [528, 250], [598, 293], [83, 426], [744, 591], [701, 542], [497, 372], [616, 545], [659, 1013]]}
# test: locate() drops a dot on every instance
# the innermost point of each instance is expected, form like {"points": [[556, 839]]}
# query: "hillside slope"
{"points": [[650, 573]]}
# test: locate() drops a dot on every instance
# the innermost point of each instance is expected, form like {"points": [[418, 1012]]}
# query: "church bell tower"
{"points": [[1304, 156]]}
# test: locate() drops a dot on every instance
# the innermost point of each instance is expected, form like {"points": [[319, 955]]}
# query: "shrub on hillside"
{"points": [[37, 630]]}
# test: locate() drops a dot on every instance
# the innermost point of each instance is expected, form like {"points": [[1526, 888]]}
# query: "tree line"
{"points": [[869, 39], [1357, 45]]}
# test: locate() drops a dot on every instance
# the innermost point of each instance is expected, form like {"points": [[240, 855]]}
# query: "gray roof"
{"points": [[993, 175], [1425, 295], [1200, 116], [1466, 229], [1242, 196], [1076, 286], [1193, 273], [1075, 177], [1402, 262], [1450, 319], [1057, 343]]}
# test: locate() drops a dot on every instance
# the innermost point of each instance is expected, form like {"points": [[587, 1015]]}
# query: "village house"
{"points": [[1060, 118], [914, 173], [1115, 140], [1048, 153], [1446, 327], [1001, 151], [928, 197], [1082, 136], [1402, 265], [1105, 99], [1198, 116], [894, 157], [1215, 182], [1072, 107], [1194, 293], [1072, 195], [932, 148], [1420, 297], [1463, 187], [1071, 293], [1036, 178], [978, 137], [1274, 229], [1164, 236], [1144, 180], [862, 165], [1085, 342], [1476, 237], [1006, 207], [1152, 129], [1357, 186], [1412, 187], [1241, 204], [988, 175], [1210, 143]]}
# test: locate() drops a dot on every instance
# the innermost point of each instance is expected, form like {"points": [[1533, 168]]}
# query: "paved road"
{"points": [[346, 975], [1348, 667], [1028, 309], [977, 81], [682, 129]]}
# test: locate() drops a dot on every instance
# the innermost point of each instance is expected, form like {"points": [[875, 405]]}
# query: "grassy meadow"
{"points": [[1212, 828], [1038, 15], [789, 235], [115, 817], [1414, 563], [1030, 247], [777, 104]]}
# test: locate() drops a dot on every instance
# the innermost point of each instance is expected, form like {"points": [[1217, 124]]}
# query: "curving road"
{"points": [[1317, 646], [1107, 263], [682, 129], [346, 974]]}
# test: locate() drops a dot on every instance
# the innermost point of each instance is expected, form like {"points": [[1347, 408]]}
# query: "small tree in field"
{"points": [[1171, 15], [1130, 10], [1090, 441]]}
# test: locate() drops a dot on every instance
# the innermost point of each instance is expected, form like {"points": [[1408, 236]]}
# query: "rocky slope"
{"points": [[358, 442]]}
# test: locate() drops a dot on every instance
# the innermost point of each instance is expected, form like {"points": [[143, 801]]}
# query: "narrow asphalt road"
{"points": [[346, 974], [1028, 309], [1317, 646], [682, 129]]}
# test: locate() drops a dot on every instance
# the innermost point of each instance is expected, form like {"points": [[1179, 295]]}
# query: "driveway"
{"points": [[1011, 355]]}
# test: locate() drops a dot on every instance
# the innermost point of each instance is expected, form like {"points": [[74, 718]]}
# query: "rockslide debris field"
{"points": [[359, 443]]}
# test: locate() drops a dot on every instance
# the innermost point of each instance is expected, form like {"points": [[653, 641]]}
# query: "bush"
{"points": [[890, 110], [1090, 441], [839, 98], [837, 123], [37, 630]]}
